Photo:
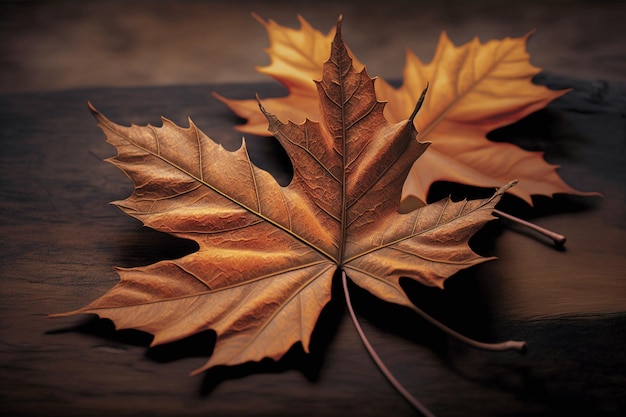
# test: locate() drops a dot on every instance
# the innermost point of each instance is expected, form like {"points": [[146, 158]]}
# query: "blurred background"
{"points": [[52, 45]]}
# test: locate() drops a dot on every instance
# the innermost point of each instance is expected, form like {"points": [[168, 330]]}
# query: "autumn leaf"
{"points": [[475, 88], [268, 253]]}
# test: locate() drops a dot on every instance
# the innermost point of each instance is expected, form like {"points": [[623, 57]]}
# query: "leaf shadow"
{"points": [[547, 130], [394, 319], [461, 307], [105, 329], [267, 153], [137, 245], [202, 344], [198, 345], [308, 364], [542, 207]]}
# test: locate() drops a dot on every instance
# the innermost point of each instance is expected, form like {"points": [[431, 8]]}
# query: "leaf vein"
{"points": [[223, 194]]}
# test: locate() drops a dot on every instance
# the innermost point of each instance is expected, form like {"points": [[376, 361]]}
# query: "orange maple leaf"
{"points": [[268, 253], [474, 89]]}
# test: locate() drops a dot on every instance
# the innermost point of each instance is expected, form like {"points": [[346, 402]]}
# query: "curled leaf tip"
{"points": [[258, 100], [93, 109], [529, 34], [420, 101], [339, 21], [259, 19], [508, 186]]}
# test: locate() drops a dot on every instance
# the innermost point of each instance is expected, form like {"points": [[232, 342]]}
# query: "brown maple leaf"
{"points": [[268, 253], [475, 88]]}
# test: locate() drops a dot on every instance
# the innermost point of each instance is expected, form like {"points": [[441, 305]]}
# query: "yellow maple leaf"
{"points": [[474, 89]]}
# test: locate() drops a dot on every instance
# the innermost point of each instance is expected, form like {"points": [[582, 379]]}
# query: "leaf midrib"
{"points": [[211, 290], [442, 116], [414, 234]]}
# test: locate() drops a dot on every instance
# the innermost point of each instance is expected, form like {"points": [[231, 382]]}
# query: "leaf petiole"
{"points": [[381, 365], [507, 345], [558, 239], [520, 346]]}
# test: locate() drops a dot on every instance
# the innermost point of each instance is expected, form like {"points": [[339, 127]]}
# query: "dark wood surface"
{"points": [[60, 239]]}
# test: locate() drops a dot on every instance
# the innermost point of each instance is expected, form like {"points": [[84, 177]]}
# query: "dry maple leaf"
{"points": [[475, 88], [268, 253]]}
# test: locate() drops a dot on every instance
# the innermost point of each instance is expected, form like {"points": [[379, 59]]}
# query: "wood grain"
{"points": [[60, 239]]}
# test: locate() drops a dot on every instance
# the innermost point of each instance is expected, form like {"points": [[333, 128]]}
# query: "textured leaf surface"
{"points": [[474, 89], [268, 253]]}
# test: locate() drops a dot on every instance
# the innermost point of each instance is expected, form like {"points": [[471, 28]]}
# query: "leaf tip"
{"points": [[339, 22], [337, 37], [502, 190], [269, 116], [258, 100], [511, 184], [259, 19], [93, 109], [528, 35], [207, 365], [420, 101]]}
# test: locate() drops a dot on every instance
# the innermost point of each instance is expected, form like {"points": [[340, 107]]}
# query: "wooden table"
{"points": [[60, 239]]}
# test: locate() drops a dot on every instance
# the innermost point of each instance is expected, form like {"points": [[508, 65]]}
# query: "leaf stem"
{"points": [[383, 368], [520, 346], [558, 239]]}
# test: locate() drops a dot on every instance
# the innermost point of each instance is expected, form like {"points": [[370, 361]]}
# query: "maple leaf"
{"points": [[475, 88], [268, 253]]}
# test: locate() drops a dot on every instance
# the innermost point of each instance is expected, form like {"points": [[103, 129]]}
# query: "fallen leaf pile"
{"points": [[474, 89], [268, 253]]}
